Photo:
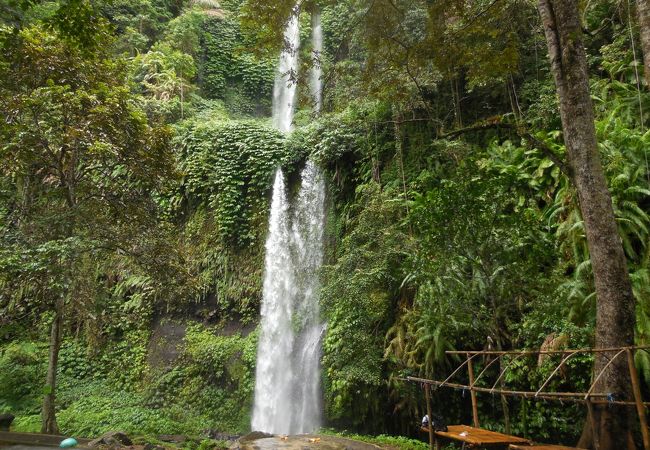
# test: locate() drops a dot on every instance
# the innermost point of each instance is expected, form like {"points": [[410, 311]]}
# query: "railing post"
{"points": [[592, 422], [427, 394], [472, 393], [640, 409]]}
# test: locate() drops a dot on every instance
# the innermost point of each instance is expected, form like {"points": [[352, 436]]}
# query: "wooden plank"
{"points": [[478, 436], [542, 447]]}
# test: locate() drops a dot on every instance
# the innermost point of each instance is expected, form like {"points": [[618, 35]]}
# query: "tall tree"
{"points": [[84, 161], [615, 311]]}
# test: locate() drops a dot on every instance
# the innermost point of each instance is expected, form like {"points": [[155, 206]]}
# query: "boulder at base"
{"points": [[172, 438], [111, 439], [255, 435], [153, 447]]}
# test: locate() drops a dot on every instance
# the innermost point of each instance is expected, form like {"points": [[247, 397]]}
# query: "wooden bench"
{"points": [[472, 437]]}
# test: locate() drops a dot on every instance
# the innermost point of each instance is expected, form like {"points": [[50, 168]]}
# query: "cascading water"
{"points": [[287, 387], [308, 244], [284, 90], [317, 71], [274, 375]]}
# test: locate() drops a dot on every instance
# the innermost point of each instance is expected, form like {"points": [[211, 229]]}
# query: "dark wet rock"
{"points": [[5, 421], [164, 348], [111, 439], [254, 436], [219, 436], [153, 447], [172, 438]]}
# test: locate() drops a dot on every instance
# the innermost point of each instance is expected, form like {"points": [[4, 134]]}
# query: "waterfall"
{"points": [[308, 225], [284, 90], [287, 385], [317, 51], [274, 373]]}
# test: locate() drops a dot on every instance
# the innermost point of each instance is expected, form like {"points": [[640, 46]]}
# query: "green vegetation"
{"points": [[136, 162], [210, 387], [400, 442]]}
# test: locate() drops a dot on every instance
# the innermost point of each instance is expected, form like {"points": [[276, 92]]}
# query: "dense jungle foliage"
{"points": [[136, 163]]}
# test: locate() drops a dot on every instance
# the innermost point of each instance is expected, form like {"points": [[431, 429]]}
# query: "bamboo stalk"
{"points": [[544, 352], [555, 371], [503, 372], [467, 361], [427, 395], [487, 366], [593, 385], [634, 376], [592, 422], [574, 397], [472, 392]]}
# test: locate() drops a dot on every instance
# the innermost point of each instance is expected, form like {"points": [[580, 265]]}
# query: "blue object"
{"points": [[68, 443]]}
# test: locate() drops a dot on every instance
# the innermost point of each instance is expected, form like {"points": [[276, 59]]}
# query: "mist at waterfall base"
{"points": [[287, 385]]}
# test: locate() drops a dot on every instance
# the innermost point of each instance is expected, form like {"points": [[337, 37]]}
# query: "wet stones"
{"points": [[111, 439]]}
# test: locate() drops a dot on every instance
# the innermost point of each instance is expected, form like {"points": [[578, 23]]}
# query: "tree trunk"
{"points": [[615, 315], [49, 425], [643, 13]]}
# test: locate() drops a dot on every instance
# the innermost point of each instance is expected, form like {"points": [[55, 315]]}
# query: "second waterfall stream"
{"points": [[287, 384]]}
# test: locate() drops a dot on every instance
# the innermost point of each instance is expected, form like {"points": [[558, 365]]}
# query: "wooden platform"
{"points": [[36, 439], [478, 437], [542, 447]]}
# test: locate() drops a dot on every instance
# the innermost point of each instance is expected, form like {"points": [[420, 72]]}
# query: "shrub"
{"points": [[22, 377]]}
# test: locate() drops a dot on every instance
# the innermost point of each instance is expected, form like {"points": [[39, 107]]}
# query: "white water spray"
{"points": [[273, 376], [284, 90], [287, 387], [308, 224], [316, 81]]}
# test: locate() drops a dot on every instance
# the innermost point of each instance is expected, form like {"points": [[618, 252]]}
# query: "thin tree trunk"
{"points": [[615, 315], [504, 400], [49, 425], [399, 147], [499, 344], [643, 13]]}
